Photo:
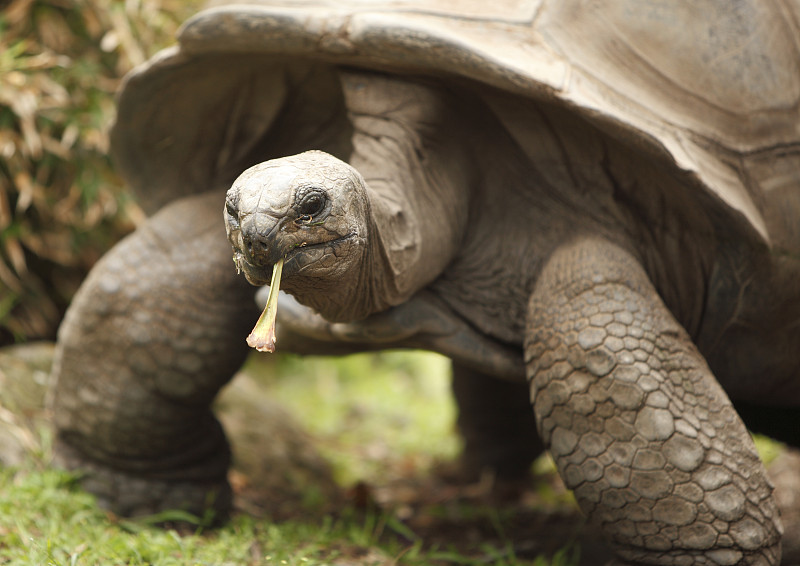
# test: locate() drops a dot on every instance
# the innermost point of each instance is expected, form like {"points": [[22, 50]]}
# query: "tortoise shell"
{"points": [[712, 89]]}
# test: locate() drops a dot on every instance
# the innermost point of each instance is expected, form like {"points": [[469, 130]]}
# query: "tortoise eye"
{"points": [[311, 205]]}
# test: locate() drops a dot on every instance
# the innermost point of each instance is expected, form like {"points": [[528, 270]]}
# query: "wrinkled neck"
{"points": [[413, 231], [408, 146]]}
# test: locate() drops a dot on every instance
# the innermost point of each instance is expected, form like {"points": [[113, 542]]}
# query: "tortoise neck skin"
{"points": [[359, 238], [409, 146]]}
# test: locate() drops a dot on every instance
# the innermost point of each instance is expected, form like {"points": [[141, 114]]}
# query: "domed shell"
{"points": [[712, 88]]}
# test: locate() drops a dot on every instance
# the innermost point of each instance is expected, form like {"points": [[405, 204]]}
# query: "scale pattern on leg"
{"points": [[637, 424], [154, 332]]}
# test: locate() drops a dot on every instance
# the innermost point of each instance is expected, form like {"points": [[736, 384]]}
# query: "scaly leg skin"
{"points": [[637, 424], [497, 425], [155, 331]]}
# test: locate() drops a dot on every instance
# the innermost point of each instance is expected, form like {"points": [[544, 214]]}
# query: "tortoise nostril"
{"points": [[255, 244]]}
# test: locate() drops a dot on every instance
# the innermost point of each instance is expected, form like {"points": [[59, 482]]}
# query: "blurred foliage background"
{"points": [[61, 203]]}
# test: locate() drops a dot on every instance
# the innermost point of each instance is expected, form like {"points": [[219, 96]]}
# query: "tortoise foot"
{"points": [[142, 495]]}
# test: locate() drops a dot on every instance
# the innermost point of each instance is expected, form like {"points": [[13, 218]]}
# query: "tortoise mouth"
{"points": [[299, 258]]}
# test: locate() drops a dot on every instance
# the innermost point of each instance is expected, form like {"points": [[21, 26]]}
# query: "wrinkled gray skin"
{"points": [[512, 266]]}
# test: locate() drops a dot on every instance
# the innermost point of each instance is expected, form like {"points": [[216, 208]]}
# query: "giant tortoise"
{"points": [[592, 207]]}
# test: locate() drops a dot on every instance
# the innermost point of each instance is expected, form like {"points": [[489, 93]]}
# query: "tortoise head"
{"points": [[312, 209]]}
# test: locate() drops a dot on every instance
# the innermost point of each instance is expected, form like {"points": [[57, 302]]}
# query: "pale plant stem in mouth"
{"points": [[262, 337]]}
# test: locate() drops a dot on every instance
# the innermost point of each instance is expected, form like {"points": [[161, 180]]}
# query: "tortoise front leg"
{"points": [[636, 422], [155, 331]]}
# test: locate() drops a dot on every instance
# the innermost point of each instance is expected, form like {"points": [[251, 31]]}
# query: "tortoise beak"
{"points": [[262, 245]]}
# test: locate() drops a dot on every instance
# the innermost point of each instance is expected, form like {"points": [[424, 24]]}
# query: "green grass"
{"points": [[376, 418], [768, 449], [379, 419], [374, 411], [48, 520]]}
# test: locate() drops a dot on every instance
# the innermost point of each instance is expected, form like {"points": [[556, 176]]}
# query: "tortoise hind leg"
{"points": [[155, 331], [496, 423], [636, 423]]}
